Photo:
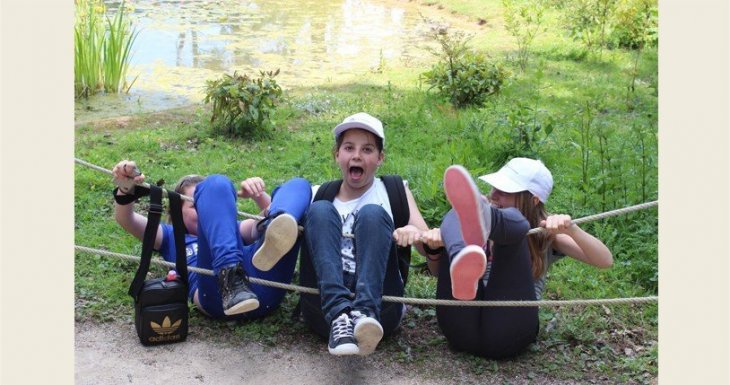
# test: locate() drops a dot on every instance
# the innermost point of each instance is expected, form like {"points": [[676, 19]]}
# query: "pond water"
{"points": [[181, 44]]}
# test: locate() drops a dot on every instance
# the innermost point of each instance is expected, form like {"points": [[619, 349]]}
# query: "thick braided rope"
{"points": [[164, 192], [411, 301], [532, 231], [607, 214]]}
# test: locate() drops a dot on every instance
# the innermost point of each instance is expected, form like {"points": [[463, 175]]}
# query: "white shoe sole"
{"points": [[280, 237], [467, 267], [344, 350], [243, 307], [368, 334], [464, 196]]}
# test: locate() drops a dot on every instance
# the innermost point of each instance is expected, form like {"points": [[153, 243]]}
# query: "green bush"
{"points": [[590, 22], [522, 132], [468, 80], [523, 20], [462, 75], [635, 24], [242, 104]]}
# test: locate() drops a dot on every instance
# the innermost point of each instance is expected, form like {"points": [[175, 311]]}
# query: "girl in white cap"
{"points": [[491, 257]]}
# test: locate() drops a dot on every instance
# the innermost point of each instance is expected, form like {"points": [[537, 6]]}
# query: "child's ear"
{"points": [[535, 200], [381, 158]]}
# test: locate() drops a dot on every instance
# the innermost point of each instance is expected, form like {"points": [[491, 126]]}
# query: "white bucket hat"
{"points": [[522, 174], [361, 120]]}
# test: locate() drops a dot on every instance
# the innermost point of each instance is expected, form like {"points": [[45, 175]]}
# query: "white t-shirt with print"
{"points": [[376, 194]]}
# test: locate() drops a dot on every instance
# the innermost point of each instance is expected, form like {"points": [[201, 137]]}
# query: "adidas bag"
{"points": [[161, 311], [161, 304]]}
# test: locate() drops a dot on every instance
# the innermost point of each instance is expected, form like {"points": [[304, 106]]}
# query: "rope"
{"points": [[347, 235], [164, 192], [411, 301], [607, 214]]}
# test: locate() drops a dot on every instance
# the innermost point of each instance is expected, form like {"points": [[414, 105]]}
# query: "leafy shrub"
{"points": [[467, 81], [635, 23], [590, 21], [464, 76], [522, 132], [242, 104], [523, 20]]}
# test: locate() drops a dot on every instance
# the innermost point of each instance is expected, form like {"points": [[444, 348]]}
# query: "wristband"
{"points": [[125, 199], [431, 251]]}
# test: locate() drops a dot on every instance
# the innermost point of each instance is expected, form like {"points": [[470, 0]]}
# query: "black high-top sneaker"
{"points": [[237, 296], [342, 337]]}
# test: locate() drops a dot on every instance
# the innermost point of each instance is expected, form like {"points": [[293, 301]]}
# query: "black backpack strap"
{"points": [[401, 216], [178, 228], [398, 199], [328, 190], [148, 242]]}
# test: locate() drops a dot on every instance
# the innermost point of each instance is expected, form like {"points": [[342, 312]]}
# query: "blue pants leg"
{"points": [[373, 230], [219, 239], [323, 234], [292, 197], [220, 243]]}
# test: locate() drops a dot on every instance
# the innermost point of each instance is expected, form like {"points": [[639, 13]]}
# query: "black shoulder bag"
{"points": [[161, 304]]}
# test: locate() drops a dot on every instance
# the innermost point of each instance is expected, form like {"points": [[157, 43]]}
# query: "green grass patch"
{"points": [[602, 151]]}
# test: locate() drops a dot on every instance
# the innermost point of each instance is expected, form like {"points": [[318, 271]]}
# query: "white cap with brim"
{"points": [[363, 121], [522, 174]]}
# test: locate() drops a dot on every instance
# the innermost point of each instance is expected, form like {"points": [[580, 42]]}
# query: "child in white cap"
{"points": [[489, 255], [354, 272]]}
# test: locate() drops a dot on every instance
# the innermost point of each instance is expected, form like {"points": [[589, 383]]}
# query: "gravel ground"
{"points": [[110, 353]]}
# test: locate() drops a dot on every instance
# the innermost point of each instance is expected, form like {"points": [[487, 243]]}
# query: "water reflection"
{"points": [[183, 43]]}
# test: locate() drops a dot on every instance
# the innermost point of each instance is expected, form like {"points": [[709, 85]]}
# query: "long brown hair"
{"points": [[538, 243]]}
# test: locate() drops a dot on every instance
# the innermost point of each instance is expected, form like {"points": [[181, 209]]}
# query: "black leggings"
{"points": [[493, 332]]}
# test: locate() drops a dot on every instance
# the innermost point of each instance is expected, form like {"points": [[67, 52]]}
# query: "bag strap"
{"points": [[401, 216], [398, 199], [148, 242], [328, 190], [178, 228]]}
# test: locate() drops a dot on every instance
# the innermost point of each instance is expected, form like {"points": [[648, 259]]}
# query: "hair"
{"points": [[341, 137], [538, 243], [187, 181], [183, 183]]}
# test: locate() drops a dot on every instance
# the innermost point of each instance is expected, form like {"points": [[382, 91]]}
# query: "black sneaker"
{"points": [[237, 296], [368, 332], [342, 337], [280, 234]]}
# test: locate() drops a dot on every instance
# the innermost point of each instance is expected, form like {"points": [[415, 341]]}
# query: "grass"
{"points": [[581, 94]]}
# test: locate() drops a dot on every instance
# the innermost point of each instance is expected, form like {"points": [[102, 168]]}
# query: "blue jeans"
{"points": [[373, 231], [494, 332], [220, 243]]}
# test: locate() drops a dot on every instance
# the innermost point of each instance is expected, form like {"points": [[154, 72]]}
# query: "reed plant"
{"points": [[120, 37], [102, 49], [88, 44]]}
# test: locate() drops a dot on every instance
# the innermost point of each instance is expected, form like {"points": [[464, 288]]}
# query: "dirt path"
{"points": [[109, 353]]}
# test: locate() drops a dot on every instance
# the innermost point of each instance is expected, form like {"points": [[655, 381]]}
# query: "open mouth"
{"points": [[356, 172]]}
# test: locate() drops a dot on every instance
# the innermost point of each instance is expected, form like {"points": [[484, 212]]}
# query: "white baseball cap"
{"points": [[522, 174], [361, 120]]}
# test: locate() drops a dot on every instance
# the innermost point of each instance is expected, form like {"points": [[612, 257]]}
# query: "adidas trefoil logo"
{"points": [[167, 327]]}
